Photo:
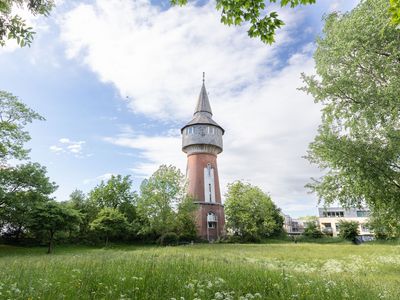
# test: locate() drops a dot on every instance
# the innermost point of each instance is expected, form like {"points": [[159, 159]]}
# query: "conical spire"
{"points": [[203, 104]]}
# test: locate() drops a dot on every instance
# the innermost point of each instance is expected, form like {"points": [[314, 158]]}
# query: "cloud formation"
{"points": [[155, 58], [97, 179], [65, 145]]}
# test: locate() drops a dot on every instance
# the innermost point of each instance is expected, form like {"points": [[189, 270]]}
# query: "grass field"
{"points": [[218, 271]]}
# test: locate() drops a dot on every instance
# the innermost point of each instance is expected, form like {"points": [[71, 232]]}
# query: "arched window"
{"points": [[211, 220]]}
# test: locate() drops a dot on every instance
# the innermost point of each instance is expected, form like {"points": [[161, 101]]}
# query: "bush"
{"points": [[187, 238], [312, 231], [168, 239], [348, 230]]}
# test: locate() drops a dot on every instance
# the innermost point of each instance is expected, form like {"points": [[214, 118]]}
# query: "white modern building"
{"points": [[329, 218]]}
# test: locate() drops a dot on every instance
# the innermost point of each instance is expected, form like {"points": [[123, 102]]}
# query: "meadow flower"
{"points": [[189, 286]]}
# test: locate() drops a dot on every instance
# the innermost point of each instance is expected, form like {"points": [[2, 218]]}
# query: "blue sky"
{"points": [[116, 79]]}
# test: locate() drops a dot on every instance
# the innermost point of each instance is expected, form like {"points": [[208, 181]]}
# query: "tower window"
{"points": [[211, 220], [211, 224]]}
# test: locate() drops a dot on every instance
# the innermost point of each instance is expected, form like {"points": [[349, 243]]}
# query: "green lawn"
{"points": [[219, 271]]}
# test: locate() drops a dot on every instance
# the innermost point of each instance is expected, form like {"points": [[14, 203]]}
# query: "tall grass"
{"points": [[274, 271]]}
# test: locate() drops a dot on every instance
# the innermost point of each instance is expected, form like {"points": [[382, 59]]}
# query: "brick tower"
{"points": [[202, 142]]}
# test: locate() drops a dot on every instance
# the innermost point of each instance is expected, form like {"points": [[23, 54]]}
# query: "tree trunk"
{"points": [[18, 235], [106, 240], [50, 242]]}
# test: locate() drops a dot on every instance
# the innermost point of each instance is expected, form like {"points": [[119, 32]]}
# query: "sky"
{"points": [[117, 79]]}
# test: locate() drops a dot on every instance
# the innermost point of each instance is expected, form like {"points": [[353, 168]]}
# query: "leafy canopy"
{"points": [[250, 213], [160, 196], [14, 116], [22, 188], [358, 85], [53, 217], [114, 193], [263, 25], [13, 26], [110, 222]]}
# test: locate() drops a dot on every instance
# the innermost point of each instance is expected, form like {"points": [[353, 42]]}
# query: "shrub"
{"points": [[168, 239], [312, 231], [348, 230], [187, 238]]}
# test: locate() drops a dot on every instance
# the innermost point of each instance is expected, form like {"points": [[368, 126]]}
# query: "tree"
{"points": [[21, 189], [109, 223], [250, 213], [358, 85], [116, 193], [14, 115], [87, 209], [312, 230], [160, 196], [185, 220], [348, 230], [385, 224], [53, 217], [262, 24], [13, 26]]}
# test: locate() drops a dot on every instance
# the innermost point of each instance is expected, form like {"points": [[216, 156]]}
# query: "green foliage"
{"points": [[109, 223], [394, 10], [87, 209], [116, 193], [168, 239], [263, 25], [52, 217], [185, 225], [385, 224], [348, 230], [312, 230], [13, 26], [160, 195], [21, 189], [358, 86], [250, 213], [14, 116]]}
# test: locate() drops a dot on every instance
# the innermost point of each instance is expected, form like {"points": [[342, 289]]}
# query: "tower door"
{"points": [[209, 184]]}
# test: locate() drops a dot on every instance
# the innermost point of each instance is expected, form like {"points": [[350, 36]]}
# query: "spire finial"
{"points": [[204, 75]]}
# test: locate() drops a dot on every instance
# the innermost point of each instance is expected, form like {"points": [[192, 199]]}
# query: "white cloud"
{"points": [[67, 146], [156, 58], [103, 177], [56, 149]]}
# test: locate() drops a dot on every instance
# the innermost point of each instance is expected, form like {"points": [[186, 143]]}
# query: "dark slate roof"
{"points": [[203, 104], [203, 112]]}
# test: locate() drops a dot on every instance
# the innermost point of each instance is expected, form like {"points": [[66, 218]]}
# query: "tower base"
{"points": [[207, 228]]}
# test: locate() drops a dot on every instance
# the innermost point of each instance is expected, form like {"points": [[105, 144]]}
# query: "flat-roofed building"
{"points": [[293, 226], [329, 218]]}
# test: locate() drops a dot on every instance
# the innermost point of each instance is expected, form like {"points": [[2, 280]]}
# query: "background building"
{"points": [[293, 226], [202, 142], [330, 217]]}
